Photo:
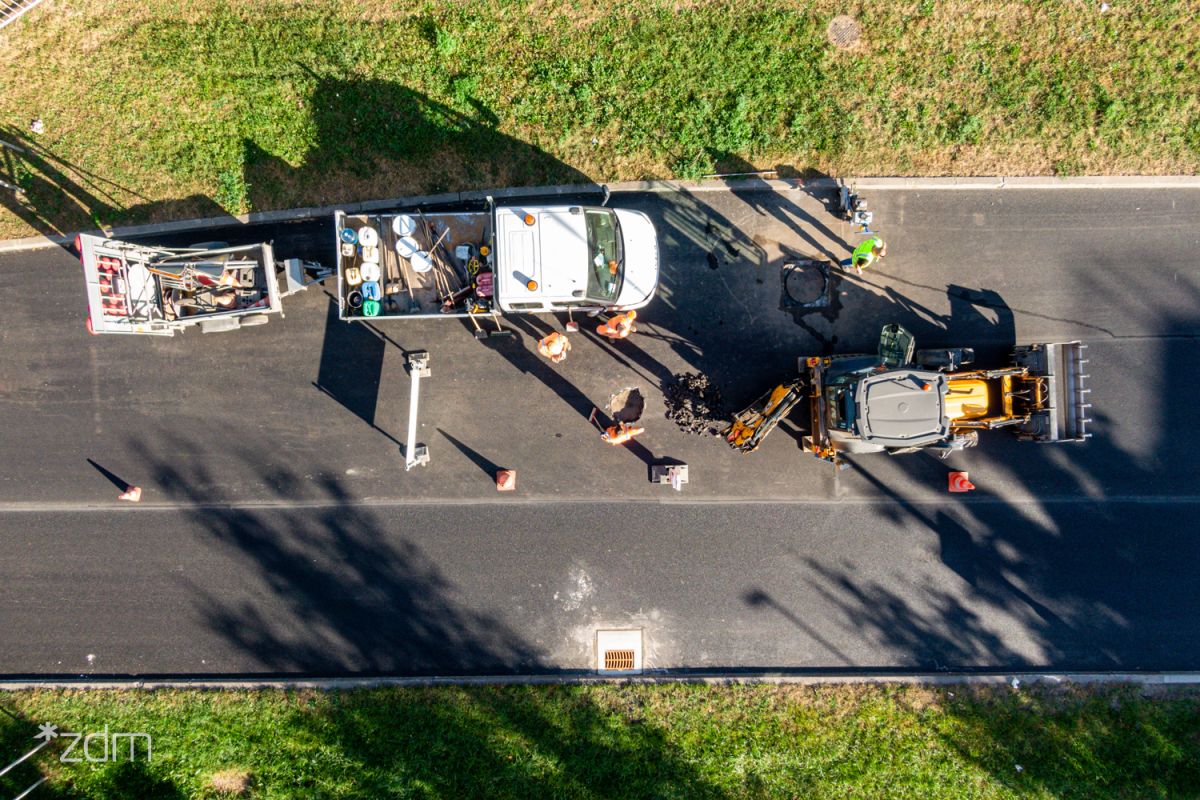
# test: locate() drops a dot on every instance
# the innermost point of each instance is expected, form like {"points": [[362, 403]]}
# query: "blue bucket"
{"points": [[349, 236]]}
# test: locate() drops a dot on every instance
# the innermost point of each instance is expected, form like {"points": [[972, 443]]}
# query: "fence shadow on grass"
{"points": [[381, 139], [57, 196]]}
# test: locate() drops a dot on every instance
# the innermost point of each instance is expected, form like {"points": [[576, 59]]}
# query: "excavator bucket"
{"points": [[752, 425], [1054, 395]]}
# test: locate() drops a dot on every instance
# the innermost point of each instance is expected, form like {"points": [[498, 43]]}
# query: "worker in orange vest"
{"points": [[554, 347], [619, 326], [620, 433]]}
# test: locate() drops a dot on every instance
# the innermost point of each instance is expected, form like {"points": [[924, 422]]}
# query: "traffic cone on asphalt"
{"points": [[506, 480], [960, 483], [133, 494]]}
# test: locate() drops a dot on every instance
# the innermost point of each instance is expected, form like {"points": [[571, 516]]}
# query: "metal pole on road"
{"points": [[415, 454]]}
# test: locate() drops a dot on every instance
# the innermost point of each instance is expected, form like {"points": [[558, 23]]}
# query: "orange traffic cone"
{"points": [[506, 480], [960, 483], [133, 494]]}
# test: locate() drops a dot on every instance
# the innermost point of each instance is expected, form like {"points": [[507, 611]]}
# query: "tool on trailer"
{"points": [[413, 306], [449, 302], [439, 278], [433, 251]]}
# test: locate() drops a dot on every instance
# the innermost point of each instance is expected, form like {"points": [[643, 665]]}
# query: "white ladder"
{"points": [[11, 10]]}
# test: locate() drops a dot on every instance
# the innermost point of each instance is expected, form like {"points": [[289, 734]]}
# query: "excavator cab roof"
{"points": [[903, 408]]}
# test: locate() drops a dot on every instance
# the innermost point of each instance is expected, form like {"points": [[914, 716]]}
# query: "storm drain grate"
{"points": [[618, 659], [619, 651], [844, 31]]}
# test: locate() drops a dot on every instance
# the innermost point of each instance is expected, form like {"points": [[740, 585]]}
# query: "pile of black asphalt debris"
{"points": [[695, 404]]}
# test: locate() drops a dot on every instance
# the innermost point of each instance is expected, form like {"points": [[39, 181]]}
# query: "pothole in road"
{"points": [[627, 405]]}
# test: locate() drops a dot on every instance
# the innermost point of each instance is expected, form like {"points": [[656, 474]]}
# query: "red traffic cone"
{"points": [[506, 480], [960, 483], [133, 494]]}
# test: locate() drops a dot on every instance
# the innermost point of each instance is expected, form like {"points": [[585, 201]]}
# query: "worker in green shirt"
{"points": [[867, 253]]}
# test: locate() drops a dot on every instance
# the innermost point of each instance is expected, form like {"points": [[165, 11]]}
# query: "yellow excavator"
{"points": [[898, 401]]}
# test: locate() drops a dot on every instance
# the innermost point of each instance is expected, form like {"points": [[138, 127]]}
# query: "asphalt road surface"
{"points": [[279, 531]]}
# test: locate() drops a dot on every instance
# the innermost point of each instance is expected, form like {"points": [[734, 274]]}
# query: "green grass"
{"points": [[157, 108], [628, 741]]}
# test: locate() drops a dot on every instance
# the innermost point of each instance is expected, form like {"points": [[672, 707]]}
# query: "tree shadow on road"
{"points": [[345, 593]]}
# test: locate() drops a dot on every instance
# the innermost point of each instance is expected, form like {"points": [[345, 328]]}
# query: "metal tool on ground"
{"points": [[480, 333], [853, 208], [674, 475], [418, 367]]}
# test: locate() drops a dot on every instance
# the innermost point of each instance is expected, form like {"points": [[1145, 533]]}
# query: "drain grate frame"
{"points": [[619, 652], [805, 284]]}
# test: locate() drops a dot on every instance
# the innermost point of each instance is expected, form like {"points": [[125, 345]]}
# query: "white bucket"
{"points": [[404, 225], [368, 236], [407, 246], [421, 262]]}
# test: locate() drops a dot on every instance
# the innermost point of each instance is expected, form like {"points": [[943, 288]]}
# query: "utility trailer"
{"points": [[898, 401], [493, 260], [157, 291]]}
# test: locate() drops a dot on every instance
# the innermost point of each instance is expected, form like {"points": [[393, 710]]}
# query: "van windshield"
{"points": [[606, 256]]}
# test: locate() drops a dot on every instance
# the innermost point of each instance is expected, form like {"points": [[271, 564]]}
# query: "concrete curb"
{"points": [[1145, 679], [656, 186], [1032, 182]]}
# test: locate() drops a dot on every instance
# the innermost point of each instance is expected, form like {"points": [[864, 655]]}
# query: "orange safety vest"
{"points": [[618, 327], [620, 434], [554, 347]]}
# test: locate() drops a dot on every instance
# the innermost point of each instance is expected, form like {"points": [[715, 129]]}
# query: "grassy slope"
{"points": [[614, 741], [162, 108]]}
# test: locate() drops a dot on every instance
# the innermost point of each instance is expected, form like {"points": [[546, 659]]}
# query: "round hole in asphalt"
{"points": [[804, 283]]}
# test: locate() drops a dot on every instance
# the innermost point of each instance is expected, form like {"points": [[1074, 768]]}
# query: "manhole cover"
{"points": [[805, 284], [843, 31]]}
